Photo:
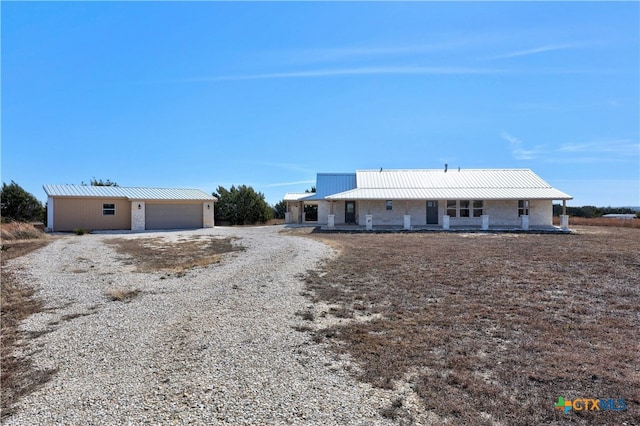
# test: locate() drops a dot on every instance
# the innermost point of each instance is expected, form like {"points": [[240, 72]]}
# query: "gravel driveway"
{"points": [[215, 346]]}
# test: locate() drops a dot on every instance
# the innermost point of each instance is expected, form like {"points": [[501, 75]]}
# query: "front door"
{"points": [[432, 212], [350, 212]]}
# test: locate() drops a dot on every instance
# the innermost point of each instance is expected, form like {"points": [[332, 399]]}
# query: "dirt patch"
{"points": [[161, 254], [490, 327]]}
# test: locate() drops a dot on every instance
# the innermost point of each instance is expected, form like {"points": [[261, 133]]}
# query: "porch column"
{"points": [[300, 212], [407, 221], [369, 222], [564, 222], [287, 213], [564, 207], [445, 221], [485, 221], [524, 220]]}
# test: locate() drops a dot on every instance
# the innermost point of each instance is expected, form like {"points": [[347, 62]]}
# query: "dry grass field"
{"points": [[600, 221], [489, 328], [17, 302]]}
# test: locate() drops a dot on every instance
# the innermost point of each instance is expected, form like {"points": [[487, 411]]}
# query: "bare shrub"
{"points": [[121, 294]]}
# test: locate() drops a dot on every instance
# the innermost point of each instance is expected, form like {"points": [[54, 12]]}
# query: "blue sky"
{"points": [[203, 94]]}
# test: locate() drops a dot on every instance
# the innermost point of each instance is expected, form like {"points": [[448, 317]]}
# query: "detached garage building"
{"points": [[114, 207]]}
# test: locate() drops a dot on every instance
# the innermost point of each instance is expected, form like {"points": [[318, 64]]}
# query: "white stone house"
{"points": [[414, 199]]}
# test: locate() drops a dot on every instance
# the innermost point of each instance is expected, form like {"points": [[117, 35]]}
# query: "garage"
{"points": [[173, 216], [136, 208]]}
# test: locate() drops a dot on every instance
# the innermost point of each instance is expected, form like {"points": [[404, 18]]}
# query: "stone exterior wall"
{"points": [[207, 214], [137, 215]]}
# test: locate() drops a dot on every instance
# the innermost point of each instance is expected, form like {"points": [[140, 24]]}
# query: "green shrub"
{"points": [[80, 231]]}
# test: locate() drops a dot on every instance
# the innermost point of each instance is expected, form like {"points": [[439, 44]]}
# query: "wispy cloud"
{"points": [[359, 52], [518, 150], [614, 147], [537, 50], [354, 72]]}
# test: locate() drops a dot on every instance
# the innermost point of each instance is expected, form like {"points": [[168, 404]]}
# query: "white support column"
{"points": [[331, 221], [564, 222], [407, 221], [137, 215], [50, 224], [485, 221], [207, 214], [524, 220], [445, 221], [369, 222]]}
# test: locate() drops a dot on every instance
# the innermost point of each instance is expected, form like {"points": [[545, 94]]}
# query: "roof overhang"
{"points": [[451, 194]]}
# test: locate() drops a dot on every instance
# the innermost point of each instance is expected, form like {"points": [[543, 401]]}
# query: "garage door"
{"points": [[173, 216]]}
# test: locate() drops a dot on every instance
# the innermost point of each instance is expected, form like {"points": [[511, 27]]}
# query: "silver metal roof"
{"points": [[471, 184], [131, 193], [297, 196]]}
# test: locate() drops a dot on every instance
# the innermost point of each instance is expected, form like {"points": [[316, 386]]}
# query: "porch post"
{"points": [[369, 222], [564, 207], [485, 221], [287, 214]]}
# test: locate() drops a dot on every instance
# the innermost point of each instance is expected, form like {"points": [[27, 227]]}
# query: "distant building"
{"points": [[620, 216], [412, 199], [114, 207]]}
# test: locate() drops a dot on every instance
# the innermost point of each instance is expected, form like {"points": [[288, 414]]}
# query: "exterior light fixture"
{"points": [[139, 206], [208, 206]]}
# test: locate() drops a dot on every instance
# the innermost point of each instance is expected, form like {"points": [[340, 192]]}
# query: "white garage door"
{"points": [[173, 216]]}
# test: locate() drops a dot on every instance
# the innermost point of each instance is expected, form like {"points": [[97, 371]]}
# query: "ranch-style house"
{"points": [[416, 199], [126, 208]]}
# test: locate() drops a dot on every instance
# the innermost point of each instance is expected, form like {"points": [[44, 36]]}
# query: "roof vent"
{"points": [[446, 166]]}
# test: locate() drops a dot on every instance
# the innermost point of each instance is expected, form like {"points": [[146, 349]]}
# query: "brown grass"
{"points": [[600, 221], [159, 254], [492, 327], [17, 301]]}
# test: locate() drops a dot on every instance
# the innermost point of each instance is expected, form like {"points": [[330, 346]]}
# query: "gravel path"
{"points": [[215, 346]]}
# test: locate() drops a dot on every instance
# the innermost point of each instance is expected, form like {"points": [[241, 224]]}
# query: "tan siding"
{"points": [[86, 213]]}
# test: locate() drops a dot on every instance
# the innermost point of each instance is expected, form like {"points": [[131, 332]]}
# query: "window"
{"points": [[389, 205], [451, 208], [108, 210], [523, 208], [477, 208], [464, 208]]}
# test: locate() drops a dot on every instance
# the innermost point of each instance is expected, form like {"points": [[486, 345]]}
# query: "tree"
{"points": [[241, 205], [280, 209], [96, 182], [18, 204]]}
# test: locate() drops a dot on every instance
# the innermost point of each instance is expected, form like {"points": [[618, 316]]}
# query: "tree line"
{"points": [[593, 211], [238, 205]]}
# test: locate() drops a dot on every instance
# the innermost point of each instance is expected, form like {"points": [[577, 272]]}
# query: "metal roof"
{"points": [[333, 183], [297, 196], [472, 184], [131, 193]]}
